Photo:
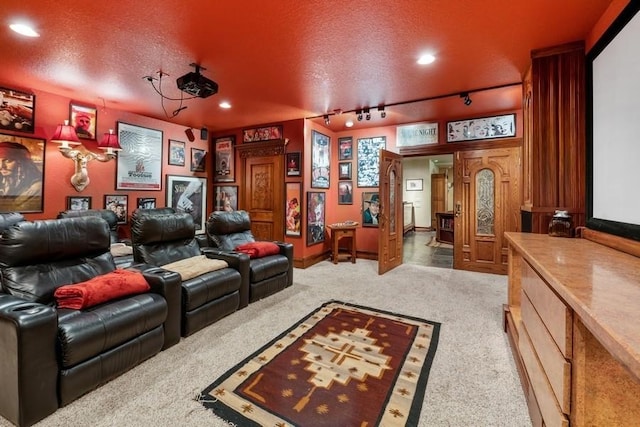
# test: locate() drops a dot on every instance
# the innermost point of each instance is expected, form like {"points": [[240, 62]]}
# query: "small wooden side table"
{"points": [[339, 231]]}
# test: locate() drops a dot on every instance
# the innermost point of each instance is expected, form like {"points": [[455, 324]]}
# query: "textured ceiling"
{"points": [[279, 60]]}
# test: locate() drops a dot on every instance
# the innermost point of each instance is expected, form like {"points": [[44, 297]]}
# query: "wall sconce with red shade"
{"points": [[72, 148]]}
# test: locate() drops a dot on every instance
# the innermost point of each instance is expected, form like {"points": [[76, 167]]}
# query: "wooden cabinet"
{"points": [[554, 148], [444, 227], [572, 321], [438, 196]]}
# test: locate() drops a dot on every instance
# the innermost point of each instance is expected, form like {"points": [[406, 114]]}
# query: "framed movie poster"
{"points": [[345, 192], [482, 128], [320, 160], [22, 185], [188, 194], [176, 152], [139, 164], [84, 119], [345, 146], [293, 210], [224, 159], [198, 160], [344, 170], [266, 133], [369, 160], [293, 163], [146, 203], [118, 203], [315, 217], [226, 198], [17, 110]]}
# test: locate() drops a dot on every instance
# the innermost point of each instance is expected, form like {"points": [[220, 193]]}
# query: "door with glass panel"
{"points": [[487, 195], [390, 218]]}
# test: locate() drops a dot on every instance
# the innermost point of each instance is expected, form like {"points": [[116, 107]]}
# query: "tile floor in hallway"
{"points": [[416, 251]]}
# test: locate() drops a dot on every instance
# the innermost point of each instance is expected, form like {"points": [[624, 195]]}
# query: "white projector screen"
{"points": [[613, 128]]}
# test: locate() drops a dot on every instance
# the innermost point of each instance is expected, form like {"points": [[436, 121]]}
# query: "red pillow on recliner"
{"points": [[258, 249]]}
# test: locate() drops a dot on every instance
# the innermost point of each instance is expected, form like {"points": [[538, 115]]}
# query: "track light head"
{"points": [[466, 99], [367, 113], [383, 113], [327, 120], [359, 115]]}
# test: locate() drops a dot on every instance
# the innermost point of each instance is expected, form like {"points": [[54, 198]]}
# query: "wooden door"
{"points": [[438, 196], [487, 203], [390, 224], [262, 190]]}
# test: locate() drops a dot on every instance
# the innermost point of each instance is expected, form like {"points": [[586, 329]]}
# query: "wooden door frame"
{"points": [[390, 241]]}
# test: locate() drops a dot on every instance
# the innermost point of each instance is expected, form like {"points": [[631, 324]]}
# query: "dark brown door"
{"points": [[391, 212], [438, 196], [487, 198], [263, 194]]}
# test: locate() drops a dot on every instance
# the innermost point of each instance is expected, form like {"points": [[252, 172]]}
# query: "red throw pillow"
{"points": [[258, 249], [101, 289]]}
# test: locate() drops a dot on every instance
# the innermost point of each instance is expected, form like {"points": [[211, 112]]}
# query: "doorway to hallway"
{"points": [[416, 250]]}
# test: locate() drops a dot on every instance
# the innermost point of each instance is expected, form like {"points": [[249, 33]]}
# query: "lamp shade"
{"points": [[110, 142], [65, 134]]}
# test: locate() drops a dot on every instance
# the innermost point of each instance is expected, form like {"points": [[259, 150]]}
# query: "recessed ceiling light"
{"points": [[349, 123], [426, 59], [225, 104], [25, 30]]}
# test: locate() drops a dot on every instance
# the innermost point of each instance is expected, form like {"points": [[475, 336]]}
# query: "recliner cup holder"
{"points": [[28, 308]]}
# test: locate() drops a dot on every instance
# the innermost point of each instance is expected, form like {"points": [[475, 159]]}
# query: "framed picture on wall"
{"points": [[198, 157], [482, 128], [78, 203], [139, 165], [226, 198], [413, 184], [345, 147], [17, 110], [370, 208], [345, 192], [344, 170], [118, 203], [293, 163], [84, 119], [293, 210], [320, 160], [188, 194], [315, 217], [369, 160], [176, 152], [23, 188], [146, 202], [224, 159]]}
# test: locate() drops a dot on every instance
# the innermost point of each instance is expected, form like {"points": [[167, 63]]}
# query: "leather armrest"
{"points": [[169, 285], [237, 261], [286, 249], [28, 362]]}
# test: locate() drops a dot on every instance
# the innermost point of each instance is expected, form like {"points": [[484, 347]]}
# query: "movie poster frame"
{"points": [[141, 154]]}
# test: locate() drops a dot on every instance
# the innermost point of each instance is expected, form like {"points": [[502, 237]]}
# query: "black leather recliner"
{"points": [[161, 237], [122, 261], [267, 275], [50, 356], [7, 219]]}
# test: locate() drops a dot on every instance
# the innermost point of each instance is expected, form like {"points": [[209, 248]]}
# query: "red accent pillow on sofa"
{"points": [[258, 249], [118, 283]]}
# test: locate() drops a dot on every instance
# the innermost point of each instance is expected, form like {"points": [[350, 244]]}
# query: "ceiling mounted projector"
{"points": [[196, 84]]}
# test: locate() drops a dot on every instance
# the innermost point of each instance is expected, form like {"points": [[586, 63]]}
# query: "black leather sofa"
{"points": [[122, 261], [160, 237], [7, 219], [51, 356], [267, 275]]}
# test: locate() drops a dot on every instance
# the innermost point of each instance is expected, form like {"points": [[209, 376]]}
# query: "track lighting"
{"points": [[327, 120], [367, 114], [467, 101], [383, 113], [359, 115]]}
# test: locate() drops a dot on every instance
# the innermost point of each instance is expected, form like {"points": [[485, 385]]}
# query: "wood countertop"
{"points": [[600, 284]]}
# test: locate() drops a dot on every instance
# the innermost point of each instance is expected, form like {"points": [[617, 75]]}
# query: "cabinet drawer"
{"points": [[553, 312], [547, 403], [554, 365]]}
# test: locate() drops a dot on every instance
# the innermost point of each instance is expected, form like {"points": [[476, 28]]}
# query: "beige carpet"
{"points": [[473, 380]]}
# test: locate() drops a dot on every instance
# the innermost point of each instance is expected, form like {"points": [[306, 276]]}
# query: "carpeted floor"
{"points": [[473, 380]]}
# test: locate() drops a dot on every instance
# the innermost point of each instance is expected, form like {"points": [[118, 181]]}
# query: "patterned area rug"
{"points": [[342, 365]]}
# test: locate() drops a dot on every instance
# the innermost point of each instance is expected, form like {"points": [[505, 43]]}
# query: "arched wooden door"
{"points": [[391, 212], [486, 204]]}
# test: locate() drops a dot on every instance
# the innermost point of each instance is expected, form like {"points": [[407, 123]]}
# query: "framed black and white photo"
{"points": [[146, 202], [320, 160], [224, 159], [369, 160], [17, 110], [188, 194], [78, 203], [482, 128], [139, 164], [22, 184], [118, 203], [413, 185]]}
